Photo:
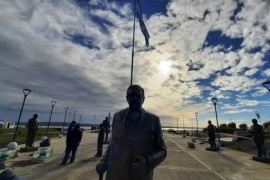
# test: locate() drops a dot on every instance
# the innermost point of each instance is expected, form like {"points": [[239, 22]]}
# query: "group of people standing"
{"points": [[257, 135], [73, 138]]}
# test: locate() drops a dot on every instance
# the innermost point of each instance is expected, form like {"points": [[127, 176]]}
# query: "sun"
{"points": [[164, 67]]}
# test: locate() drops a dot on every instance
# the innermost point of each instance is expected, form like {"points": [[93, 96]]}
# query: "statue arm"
{"points": [[160, 150], [106, 156]]}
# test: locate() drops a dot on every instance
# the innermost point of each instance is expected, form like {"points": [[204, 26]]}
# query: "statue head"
{"points": [[135, 97]]}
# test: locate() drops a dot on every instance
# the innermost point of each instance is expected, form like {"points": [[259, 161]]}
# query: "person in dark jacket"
{"points": [[73, 141], [32, 130], [211, 134], [100, 140], [137, 146], [70, 127], [258, 138], [106, 125], [9, 174]]}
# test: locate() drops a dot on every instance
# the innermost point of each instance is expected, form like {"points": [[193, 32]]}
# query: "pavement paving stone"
{"points": [[181, 162]]}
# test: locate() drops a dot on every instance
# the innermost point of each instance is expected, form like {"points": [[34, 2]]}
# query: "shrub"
{"points": [[243, 127], [266, 124], [232, 125]]}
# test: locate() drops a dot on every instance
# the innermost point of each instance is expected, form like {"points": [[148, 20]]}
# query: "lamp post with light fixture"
{"points": [[184, 123], [196, 114], [177, 124], [9, 107], [80, 118], [53, 104], [214, 100], [66, 109], [25, 92], [74, 115], [267, 85]]}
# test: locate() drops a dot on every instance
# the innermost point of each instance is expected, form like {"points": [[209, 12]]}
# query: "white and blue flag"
{"points": [[143, 27]]}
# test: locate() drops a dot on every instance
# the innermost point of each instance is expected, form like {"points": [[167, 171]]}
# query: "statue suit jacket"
{"points": [[143, 137]]}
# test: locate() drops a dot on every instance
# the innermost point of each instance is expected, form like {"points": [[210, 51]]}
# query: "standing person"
{"points": [[70, 127], [100, 140], [32, 130], [211, 134], [258, 138], [137, 146], [73, 141], [106, 125]]}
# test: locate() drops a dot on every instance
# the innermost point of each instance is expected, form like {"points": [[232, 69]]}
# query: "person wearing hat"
{"points": [[73, 141], [100, 140], [32, 130], [70, 127], [258, 138], [211, 134]]}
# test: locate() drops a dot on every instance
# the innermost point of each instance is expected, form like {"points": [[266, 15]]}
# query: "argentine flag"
{"points": [[143, 27]]}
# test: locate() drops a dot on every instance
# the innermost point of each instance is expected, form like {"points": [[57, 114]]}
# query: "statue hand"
{"points": [[101, 167], [139, 166]]}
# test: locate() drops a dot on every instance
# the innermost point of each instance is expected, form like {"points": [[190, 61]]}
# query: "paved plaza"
{"points": [[181, 162]]}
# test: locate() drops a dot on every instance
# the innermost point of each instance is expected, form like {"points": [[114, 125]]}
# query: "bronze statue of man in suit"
{"points": [[137, 145]]}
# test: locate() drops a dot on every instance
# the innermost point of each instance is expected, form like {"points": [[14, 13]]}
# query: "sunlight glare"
{"points": [[164, 66]]}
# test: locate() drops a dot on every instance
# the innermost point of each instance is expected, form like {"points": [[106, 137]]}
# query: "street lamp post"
{"points": [[214, 100], [177, 124], [7, 116], [266, 84], [70, 114], [53, 104], [192, 126], [25, 92], [66, 109], [74, 115], [196, 114], [184, 122], [80, 118]]}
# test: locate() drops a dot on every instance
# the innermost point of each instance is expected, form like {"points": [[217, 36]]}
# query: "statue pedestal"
{"points": [[261, 159], [212, 149], [28, 149]]}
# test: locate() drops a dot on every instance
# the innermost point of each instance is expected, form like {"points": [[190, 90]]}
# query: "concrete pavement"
{"points": [[181, 162]]}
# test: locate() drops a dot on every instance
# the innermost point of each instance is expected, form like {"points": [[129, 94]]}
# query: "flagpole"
{"points": [[132, 55]]}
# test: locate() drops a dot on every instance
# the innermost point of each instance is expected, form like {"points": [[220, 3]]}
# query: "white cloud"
{"points": [[251, 72], [266, 72], [37, 51], [234, 83]]}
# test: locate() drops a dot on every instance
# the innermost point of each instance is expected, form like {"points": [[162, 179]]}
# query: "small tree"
{"points": [[266, 124], [232, 125], [243, 127], [223, 126]]}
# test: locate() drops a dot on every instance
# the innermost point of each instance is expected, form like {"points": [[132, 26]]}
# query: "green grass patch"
{"points": [[6, 135]]}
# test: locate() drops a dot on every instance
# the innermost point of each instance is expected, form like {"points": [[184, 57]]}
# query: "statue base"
{"points": [[28, 149], [261, 159], [212, 149]]}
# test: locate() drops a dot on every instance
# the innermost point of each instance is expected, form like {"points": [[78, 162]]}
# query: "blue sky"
{"points": [[78, 53]]}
